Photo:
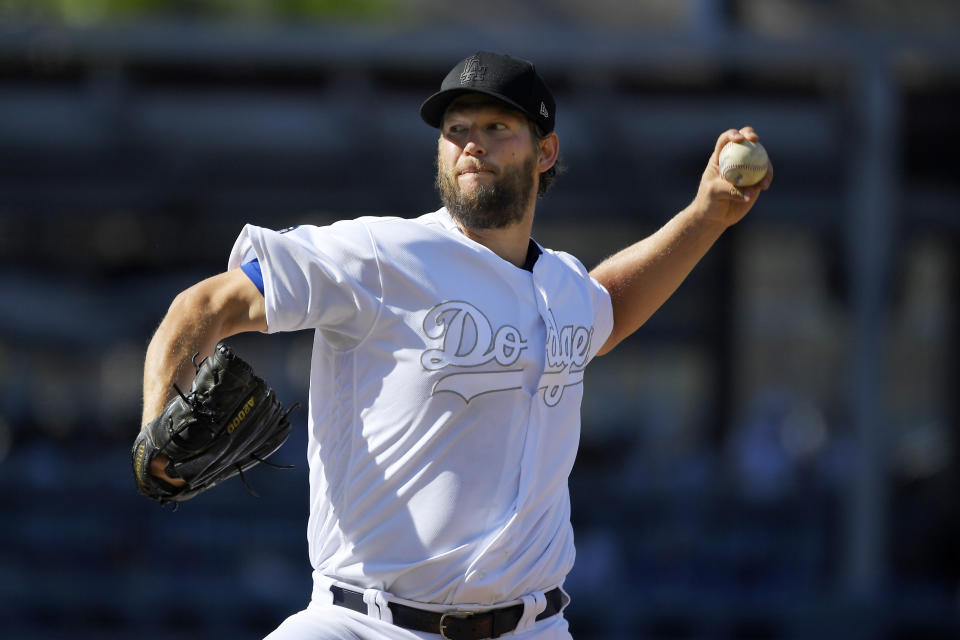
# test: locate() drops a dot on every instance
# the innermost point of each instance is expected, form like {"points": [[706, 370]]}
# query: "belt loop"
{"points": [[386, 614], [377, 606], [321, 589], [533, 605]]}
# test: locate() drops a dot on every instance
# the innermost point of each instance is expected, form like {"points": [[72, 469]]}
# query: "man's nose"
{"points": [[474, 145]]}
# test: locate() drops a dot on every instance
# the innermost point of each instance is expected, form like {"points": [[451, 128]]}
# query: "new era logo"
{"points": [[472, 71], [543, 110]]}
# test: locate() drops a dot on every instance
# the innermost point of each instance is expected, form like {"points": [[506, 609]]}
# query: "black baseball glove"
{"points": [[228, 422]]}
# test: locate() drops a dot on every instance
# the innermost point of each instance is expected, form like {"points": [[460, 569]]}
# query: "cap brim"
{"points": [[435, 106]]}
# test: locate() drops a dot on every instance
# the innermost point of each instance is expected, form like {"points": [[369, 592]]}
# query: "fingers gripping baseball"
{"points": [[722, 199]]}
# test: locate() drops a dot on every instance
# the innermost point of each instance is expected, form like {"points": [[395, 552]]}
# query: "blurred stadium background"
{"points": [[773, 456]]}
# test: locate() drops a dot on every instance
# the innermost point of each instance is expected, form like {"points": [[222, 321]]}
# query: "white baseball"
{"points": [[743, 163]]}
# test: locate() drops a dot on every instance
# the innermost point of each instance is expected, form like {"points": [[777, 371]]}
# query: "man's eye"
{"points": [[498, 126]]}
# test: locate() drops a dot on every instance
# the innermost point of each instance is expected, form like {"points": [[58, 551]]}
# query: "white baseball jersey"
{"points": [[445, 394]]}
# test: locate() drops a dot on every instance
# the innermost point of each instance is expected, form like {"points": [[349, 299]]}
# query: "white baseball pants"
{"points": [[331, 622]]}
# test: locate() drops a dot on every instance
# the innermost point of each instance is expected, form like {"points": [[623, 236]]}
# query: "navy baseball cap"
{"points": [[512, 80]]}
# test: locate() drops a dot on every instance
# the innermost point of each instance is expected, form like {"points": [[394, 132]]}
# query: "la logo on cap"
{"points": [[472, 70]]}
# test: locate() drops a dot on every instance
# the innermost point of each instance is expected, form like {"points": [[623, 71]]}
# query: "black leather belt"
{"points": [[454, 624]]}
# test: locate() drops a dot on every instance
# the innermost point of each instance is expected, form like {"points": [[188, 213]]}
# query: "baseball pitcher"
{"points": [[446, 376]]}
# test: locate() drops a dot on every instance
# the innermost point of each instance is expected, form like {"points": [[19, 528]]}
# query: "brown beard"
{"points": [[499, 204]]}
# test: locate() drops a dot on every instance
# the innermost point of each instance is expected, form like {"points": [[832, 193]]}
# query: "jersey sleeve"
{"points": [[325, 278], [602, 314], [601, 305]]}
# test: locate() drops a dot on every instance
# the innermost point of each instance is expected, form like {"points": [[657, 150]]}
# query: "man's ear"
{"points": [[547, 151]]}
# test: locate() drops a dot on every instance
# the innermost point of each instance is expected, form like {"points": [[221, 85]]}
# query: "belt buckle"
{"points": [[452, 614]]}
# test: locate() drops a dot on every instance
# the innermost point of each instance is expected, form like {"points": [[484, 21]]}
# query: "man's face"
{"points": [[486, 163]]}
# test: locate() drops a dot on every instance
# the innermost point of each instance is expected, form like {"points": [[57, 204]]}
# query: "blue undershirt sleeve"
{"points": [[252, 269]]}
